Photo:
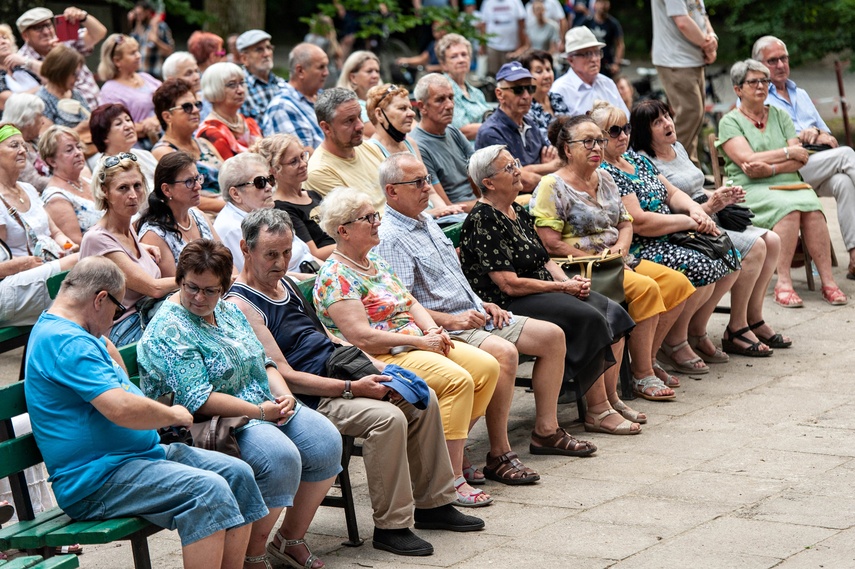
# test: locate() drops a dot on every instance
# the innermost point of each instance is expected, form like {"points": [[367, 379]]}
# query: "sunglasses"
{"points": [[370, 218], [615, 130], [121, 309], [113, 161], [419, 183], [189, 183], [260, 182], [187, 107], [119, 41], [389, 89], [520, 89], [589, 143]]}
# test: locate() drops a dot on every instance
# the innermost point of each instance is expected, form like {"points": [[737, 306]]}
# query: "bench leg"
{"points": [[353, 539], [139, 547]]}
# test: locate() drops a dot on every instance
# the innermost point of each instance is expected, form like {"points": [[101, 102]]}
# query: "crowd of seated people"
{"points": [[196, 204]]}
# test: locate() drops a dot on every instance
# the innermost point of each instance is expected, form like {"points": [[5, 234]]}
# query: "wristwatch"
{"points": [[347, 393]]}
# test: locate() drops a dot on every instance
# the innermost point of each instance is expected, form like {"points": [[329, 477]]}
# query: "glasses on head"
{"points": [[303, 157], [113, 161], [419, 183], [188, 107], [190, 183], [260, 182], [232, 85], [119, 41], [209, 292], [520, 89], [774, 61], [615, 130], [510, 167], [369, 217], [594, 54], [589, 143], [757, 82], [389, 89], [121, 309]]}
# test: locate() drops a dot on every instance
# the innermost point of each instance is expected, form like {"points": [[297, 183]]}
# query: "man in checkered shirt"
{"points": [[256, 54]]}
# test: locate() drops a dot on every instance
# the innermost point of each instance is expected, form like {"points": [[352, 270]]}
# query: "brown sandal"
{"points": [[560, 442], [509, 469]]}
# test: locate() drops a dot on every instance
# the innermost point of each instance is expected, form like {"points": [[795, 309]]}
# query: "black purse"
{"points": [[349, 362], [717, 247], [732, 217]]}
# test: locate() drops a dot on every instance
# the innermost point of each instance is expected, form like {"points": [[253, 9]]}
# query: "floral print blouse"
{"points": [[541, 118]]}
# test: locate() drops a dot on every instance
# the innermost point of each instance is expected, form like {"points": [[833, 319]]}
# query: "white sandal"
{"points": [[258, 559], [279, 553]]}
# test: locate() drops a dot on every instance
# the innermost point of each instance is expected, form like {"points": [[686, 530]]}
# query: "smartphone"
{"points": [[65, 30]]}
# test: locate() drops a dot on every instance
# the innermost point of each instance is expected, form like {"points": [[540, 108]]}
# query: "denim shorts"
{"points": [[307, 449], [195, 491]]}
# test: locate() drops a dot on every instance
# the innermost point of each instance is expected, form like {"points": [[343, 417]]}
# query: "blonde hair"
{"points": [[353, 64], [113, 46], [6, 31], [49, 141], [102, 178], [273, 147], [605, 114]]}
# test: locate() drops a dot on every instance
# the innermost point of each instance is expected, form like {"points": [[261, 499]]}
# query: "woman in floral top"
{"points": [[361, 300], [545, 106], [205, 352]]}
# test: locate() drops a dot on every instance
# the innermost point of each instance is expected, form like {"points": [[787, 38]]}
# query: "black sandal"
{"points": [[774, 341], [753, 349]]}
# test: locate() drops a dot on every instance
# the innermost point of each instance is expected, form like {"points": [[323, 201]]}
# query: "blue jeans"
{"points": [[307, 449], [195, 491]]}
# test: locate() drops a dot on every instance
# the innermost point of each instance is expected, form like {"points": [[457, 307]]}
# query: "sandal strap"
{"points": [[258, 559], [509, 466], [310, 560], [645, 383], [560, 439], [756, 325]]}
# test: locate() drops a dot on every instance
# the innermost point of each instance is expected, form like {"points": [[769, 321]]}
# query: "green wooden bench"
{"points": [[12, 338], [43, 532], [453, 233], [38, 562]]}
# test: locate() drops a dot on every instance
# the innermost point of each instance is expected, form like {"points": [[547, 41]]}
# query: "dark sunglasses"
{"points": [[188, 107], [121, 309], [520, 89], [615, 130], [260, 182], [113, 161]]}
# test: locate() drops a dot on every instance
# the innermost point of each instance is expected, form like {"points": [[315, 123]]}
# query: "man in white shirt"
{"points": [[505, 20], [583, 83]]}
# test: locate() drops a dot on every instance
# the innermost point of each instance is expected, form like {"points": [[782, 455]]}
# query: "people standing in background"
{"points": [[608, 30], [504, 22], [544, 33], [154, 36]]}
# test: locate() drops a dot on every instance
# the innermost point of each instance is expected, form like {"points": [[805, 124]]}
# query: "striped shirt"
{"points": [[292, 113]]}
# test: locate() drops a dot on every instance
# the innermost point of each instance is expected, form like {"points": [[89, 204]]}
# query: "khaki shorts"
{"points": [[476, 336]]}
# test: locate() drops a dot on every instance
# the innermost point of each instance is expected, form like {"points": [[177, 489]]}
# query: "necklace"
{"points": [[365, 268], [74, 186], [189, 225], [236, 126], [17, 194], [757, 122]]}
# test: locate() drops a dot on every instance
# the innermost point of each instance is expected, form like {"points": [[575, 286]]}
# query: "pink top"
{"points": [[137, 100]]}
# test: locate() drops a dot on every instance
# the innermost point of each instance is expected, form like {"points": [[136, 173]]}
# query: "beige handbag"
{"points": [[605, 271]]}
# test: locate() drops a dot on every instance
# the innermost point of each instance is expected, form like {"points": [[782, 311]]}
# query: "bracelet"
{"points": [[787, 152], [774, 170], [564, 280], [261, 410], [85, 15]]}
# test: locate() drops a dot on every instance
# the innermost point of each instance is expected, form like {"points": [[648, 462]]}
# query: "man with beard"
{"points": [[342, 159], [256, 54]]}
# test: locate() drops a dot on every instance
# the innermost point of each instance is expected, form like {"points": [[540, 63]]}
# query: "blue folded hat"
{"points": [[409, 385]]}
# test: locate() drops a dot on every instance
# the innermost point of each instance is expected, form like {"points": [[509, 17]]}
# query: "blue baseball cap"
{"points": [[513, 71], [410, 386]]}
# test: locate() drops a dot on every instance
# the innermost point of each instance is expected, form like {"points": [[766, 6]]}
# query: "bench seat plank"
{"points": [[97, 532]]}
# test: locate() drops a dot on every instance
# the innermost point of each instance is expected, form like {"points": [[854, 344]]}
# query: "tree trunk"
{"points": [[235, 16]]}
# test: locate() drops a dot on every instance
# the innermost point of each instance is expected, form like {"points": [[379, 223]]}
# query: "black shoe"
{"points": [[401, 542], [448, 518]]}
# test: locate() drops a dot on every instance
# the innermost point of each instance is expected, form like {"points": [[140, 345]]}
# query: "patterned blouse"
{"points": [[541, 118], [174, 241], [180, 352], [224, 140], [386, 300], [584, 223], [85, 210], [208, 164]]}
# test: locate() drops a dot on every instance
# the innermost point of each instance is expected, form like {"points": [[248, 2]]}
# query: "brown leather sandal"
{"points": [[509, 469], [562, 443]]}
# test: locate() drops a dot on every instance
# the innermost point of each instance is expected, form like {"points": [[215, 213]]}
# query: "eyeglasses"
{"points": [[260, 182], [233, 85], [113, 161], [369, 217], [121, 309], [189, 183], [509, 168], [303, 157], [589, 143], [596, 54], [47, 24], [188, 107], [194, 290], [520, 89], [757, 82], [262, 48], [419, 183], [774, 61], [615, 130]]}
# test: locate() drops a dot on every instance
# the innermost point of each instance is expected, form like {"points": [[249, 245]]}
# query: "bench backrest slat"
{"points": [[12, 401], [18, 454]]}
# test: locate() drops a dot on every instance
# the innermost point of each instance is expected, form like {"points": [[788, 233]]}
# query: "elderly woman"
{"points": [[25, 111], [658, 209], [204, 350], [545, 106], [361, 300], [15, 75], [654, 136], [231, 133], [361, 72], [207, 48], [113, 133], [578, 211], [127, 85], [36, 246], [172, 219], [455, 56], [178, 111], [182, 65], [119, 189], [289, 163], [762, 154], [393, 117], [68, 195], [506, 263], [59, 70]]}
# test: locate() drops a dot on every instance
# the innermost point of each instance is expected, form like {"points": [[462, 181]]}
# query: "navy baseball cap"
{"points": [[410, 386], [513, 71]]}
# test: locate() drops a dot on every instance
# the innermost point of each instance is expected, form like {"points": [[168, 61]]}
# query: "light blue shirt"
{"points": [[290, 112], [800, 107]]}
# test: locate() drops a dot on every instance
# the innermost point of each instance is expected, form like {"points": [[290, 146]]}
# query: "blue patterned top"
{"points": [[541, 118], [180, 352]]}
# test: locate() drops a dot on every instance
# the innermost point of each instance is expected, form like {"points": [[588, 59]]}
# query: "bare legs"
{"points": [[224, 549], [604, 390], [679, 331]]}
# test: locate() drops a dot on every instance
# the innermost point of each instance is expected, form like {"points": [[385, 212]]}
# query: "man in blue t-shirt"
{"points": [[97, 432]]}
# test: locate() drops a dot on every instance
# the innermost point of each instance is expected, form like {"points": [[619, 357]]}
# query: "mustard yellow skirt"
{"points": [[653, 289]]}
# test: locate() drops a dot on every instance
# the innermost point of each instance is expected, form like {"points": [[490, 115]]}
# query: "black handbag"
{"points": [[732, 217], [717, 247], [349, 362]]}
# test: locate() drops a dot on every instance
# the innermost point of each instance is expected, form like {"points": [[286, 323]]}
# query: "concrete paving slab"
{"points": [[697, 486], [673, 555], [593, 539], [772, 464], [792, 507], [836, 551]]}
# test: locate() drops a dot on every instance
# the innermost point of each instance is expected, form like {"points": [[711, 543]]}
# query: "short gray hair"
{"points": [[391, 170], [214, 80], [235, 170], [481, 164], [740, 70], [450, 40], [339, 207], [270, 219], [301, 54], [173, 62], [23, 109], [761, 44], [422, 90], [330, 100], [90, 276]]}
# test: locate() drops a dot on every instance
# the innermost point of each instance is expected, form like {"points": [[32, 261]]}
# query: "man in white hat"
{"points": [[583, 83], [38, 31], [256, 55]]}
